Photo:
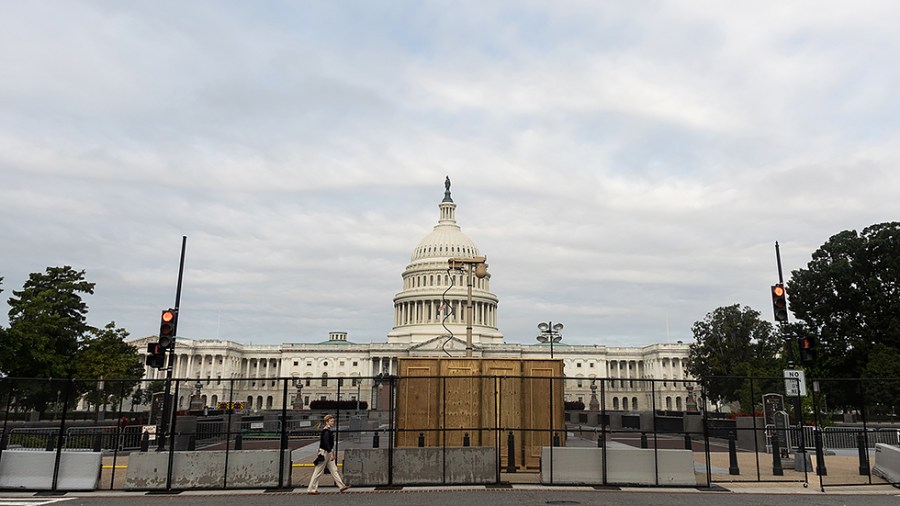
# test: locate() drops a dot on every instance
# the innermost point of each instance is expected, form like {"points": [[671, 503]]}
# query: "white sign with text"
{"points": [[794, 383]]}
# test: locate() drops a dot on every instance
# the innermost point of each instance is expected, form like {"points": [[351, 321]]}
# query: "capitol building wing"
{"points": [[429, 320]]}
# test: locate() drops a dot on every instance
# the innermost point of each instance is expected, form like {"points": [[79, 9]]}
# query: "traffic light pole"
{"points": [[798, 406], [170, 363]]}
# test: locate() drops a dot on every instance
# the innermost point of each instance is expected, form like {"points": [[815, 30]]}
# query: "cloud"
{"points": [[627, 168]]}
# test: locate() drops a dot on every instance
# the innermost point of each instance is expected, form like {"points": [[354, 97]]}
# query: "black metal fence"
{"points": [[827, 434]]}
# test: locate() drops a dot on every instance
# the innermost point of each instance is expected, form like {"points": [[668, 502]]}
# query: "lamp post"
{"points": [[550, 333], [297, 404], [196, 402], [475, 267]]}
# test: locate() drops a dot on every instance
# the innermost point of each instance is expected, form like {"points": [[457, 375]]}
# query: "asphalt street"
{"points": [[538, 496]]}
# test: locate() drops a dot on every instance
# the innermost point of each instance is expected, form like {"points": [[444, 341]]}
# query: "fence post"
{"points": [[776, 455], [238, 442], [98, 443], [510, 453], [51, 439], [421, 440], [644, 440], [556, 439], [687, 442], [145, 441], [466, 441], [733, 468], [601, 439], [820, 454], [375, 443], [863, 454]]}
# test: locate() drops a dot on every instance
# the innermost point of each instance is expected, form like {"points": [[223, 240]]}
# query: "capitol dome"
{"points": [[434, 297]]}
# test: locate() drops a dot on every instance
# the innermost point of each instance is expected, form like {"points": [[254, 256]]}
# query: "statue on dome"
{"points": [[447, 190]]}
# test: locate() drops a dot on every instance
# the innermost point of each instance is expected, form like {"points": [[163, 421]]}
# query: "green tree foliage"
{"points": [[105, 354], [144, 394], [730, 343], [849, 297], [46, 320], [882, 380], [2, 334], [48, 338]]}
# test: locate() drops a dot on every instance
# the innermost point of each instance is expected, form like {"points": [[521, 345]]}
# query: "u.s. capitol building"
{"points": [[429, 320]]}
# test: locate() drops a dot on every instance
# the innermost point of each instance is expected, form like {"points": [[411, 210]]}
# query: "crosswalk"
{"points": [[31, 501]]}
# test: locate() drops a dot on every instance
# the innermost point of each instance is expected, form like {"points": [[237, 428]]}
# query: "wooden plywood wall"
{"points": [[446, 398]]}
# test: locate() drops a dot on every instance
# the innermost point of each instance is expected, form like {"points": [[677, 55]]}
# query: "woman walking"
{"points": [[326, 451]]}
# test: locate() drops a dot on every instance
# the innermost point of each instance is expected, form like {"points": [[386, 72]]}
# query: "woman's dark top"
{"points": [[326, 440]]}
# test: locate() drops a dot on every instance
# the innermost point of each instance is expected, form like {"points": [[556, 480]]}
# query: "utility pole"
{"points": [[167, 401]]}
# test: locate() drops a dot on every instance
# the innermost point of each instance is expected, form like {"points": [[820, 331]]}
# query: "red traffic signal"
{"points": [[807, 347], [779, 302], [167, 328], [156, 355]]}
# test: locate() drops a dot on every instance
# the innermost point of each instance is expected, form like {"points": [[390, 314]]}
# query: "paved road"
{"points": [[538, 496]]}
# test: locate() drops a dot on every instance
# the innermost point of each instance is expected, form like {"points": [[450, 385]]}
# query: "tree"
{"points": [[849, 297], [729, 344], [105, 354], [2, 334], [882, 379], [46, 321]]}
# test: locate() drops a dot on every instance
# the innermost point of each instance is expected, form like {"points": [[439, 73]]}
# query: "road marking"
{"points": [[26, 501]]}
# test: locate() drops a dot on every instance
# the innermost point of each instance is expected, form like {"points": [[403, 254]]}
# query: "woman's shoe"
{"points": [[345, 487]]}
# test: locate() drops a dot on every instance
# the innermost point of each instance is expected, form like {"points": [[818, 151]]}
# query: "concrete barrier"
{"points": [[421, 466], [887, 462], [246, 469], [33, 470], [624, 466], [572, 466]]}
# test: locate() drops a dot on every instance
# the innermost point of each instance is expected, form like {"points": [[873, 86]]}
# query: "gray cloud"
{"points": [[626, 169]]}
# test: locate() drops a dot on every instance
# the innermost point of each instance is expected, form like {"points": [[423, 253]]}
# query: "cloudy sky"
{"points": [[626, 166]]}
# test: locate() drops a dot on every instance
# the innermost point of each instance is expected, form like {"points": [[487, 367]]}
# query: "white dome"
{"points": [[434, 300], [445, 241]]}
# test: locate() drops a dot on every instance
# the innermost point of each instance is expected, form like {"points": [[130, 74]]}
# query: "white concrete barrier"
{"points": [[887, 462], [421, 466], [246, 469], [33, 470], [624, 466]]}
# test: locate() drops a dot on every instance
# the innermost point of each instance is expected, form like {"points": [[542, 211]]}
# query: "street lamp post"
{"points": [[550, 333], [475, 267]]}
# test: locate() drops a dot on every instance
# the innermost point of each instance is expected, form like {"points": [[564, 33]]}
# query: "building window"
{"points": [[308, 364], [307, 383], [355, 363], [296, 363], [342, 363], [354, 381], [324, 379], [578, 364], [340, 382]]}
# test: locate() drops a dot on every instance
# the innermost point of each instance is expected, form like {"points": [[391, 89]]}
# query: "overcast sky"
{"points": [[626, 166]]}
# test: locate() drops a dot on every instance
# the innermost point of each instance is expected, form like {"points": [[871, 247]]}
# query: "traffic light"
{"points": [[156, 355], [779, 303], [167, 326], [807, 347]]}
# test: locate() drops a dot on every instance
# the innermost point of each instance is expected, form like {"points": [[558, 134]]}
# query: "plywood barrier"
{"points": [[443, 400]]}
